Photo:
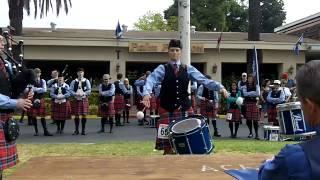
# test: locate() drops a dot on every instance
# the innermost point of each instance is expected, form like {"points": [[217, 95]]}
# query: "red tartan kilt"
{"points": [[158, 103], [80, 107], [153, 103], [8, 151], [61, 111], [236, 115], [139, 104], [119, 103], [272, 115], [164, 144], [41, 111], [127, 102], [102, 112], [252, 111], [204, 105]]}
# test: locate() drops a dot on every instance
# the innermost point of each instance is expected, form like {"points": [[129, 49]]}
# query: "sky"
{"points": [[104, 14]]}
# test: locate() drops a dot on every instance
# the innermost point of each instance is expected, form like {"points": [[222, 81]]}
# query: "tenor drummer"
{"points": [[275, 97], [251, 93], [175, 102], [61, 109], [209, 105], [106, 99], [39, 109], [80, 89]]}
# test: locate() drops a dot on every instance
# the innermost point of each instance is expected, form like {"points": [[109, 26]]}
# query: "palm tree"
{"points": [[16, 10]]}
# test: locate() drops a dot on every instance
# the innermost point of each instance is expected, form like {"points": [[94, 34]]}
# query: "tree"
{"points": [[228, 15], [151, 22], [237, 17], [273, 15], [206, 15], [16, 10]]}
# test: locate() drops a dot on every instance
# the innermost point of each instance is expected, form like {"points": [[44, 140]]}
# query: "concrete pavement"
{"points": [[128, 132]]}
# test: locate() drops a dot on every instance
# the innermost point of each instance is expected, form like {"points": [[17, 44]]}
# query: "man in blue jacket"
{"points": [[300, 161]]}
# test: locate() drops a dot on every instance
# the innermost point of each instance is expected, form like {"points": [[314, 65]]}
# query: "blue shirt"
{"points": [[214, 94], [109, 92], [87, 91], [290, 163], [7, 103], [278, 100], [56, 86], [157, 77]]}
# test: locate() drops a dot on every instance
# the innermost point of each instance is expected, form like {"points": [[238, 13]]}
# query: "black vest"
{"points": [[76, 84], [63, 90], [174, 90], [5, 85], [105, 99], [127, 96], [275, 94], [233, 105], [38, 84], [208, 94], [311, 150], [118, 90], [249, 89]]}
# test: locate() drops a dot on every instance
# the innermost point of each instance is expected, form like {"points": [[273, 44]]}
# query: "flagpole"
{"points": [[184, 30]]}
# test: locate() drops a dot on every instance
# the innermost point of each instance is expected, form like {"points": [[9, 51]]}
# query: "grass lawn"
{"points": [[134, 148]]}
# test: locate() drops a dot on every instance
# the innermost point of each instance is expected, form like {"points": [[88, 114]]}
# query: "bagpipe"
{"points": [[20, 77]]}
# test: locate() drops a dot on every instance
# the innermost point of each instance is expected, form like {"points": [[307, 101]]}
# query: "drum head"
{"points": [[186, 125]]}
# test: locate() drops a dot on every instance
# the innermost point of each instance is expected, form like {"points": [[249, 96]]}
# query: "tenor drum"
{"points": [[191, 136], [291, 119]]}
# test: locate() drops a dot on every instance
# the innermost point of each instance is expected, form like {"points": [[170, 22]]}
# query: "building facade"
{"points": [[98, 51]]}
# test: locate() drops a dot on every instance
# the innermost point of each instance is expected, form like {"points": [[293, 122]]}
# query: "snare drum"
{"points": [[271, 133], [291, 119], [191, 136]]}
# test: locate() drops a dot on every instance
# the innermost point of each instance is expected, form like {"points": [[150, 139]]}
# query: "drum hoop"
{"points": [[272, 128], [192, 131]]}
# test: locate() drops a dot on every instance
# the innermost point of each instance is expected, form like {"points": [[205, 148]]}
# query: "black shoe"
{"points": [[58, 132], [75, 133], [250, 136], [61, 132], [46, 133], [101, 131], [83, 133], [36, 134], [216, 134], [257, 138]]}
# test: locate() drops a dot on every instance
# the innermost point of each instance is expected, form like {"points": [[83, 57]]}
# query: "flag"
{"points": [[219, 42], [255, 65], [118, 31], [298, 44]]}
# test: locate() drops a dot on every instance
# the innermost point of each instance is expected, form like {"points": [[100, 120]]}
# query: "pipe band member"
{"points": [[234, 110], [106, 100], [175, 103], [61, 108], [8, 150], [39, 106], [80, 90], [276, 96], [251, 93]]}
